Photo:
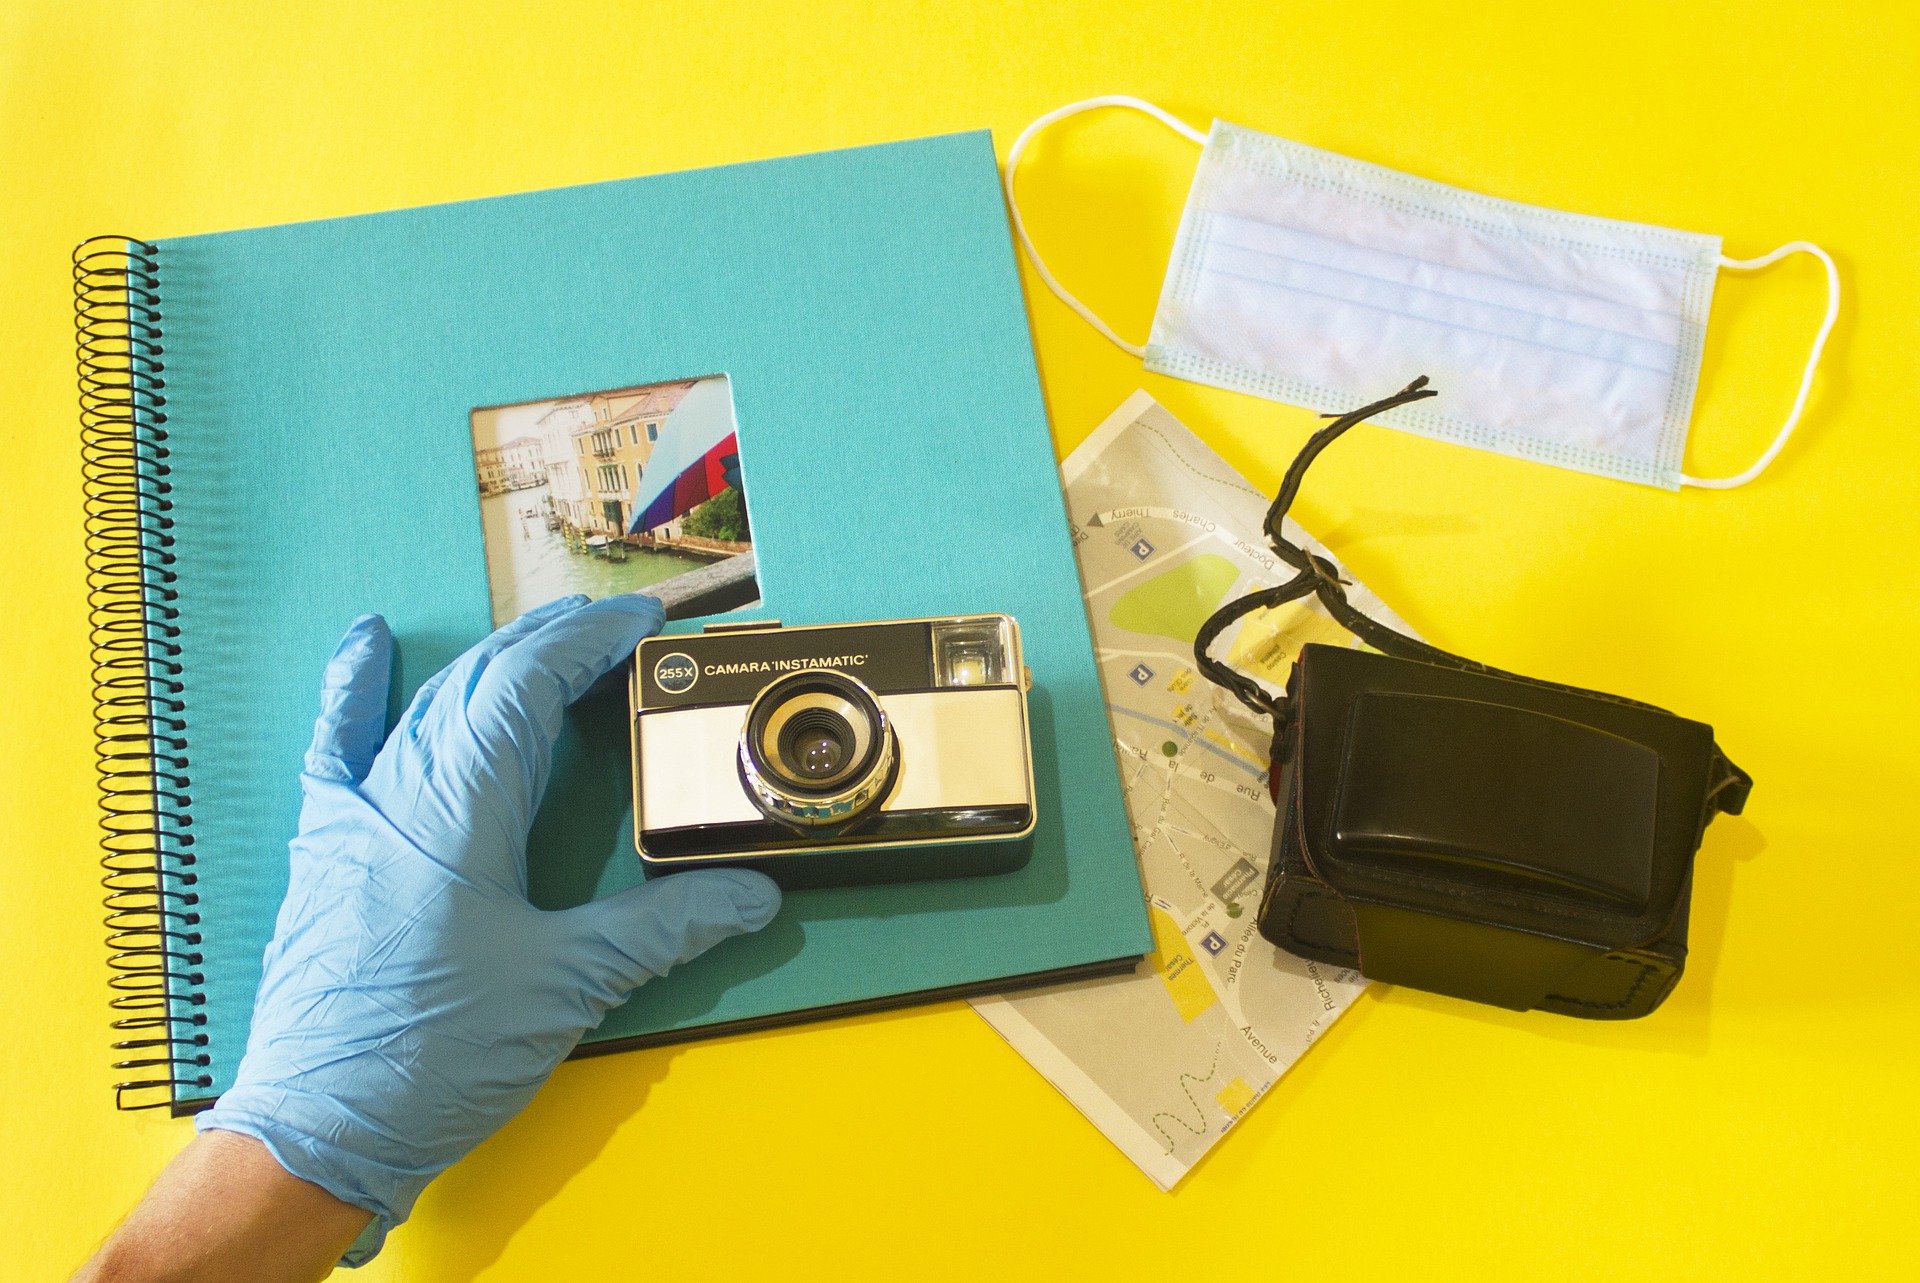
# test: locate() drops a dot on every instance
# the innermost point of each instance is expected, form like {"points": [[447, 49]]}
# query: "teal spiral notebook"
{"points": [[281, 432]]}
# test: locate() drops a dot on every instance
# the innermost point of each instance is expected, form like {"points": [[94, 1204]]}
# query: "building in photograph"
{"points": [[492, 472], [514, 465], [611, 449], [591, 453], [567, 491], [522, 463]]}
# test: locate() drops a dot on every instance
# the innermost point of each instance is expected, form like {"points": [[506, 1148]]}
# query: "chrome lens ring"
{"points": [[815, 719], [815, 709]]}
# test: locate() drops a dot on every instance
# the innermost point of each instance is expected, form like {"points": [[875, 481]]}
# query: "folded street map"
{"points": [[1165, 1061]]}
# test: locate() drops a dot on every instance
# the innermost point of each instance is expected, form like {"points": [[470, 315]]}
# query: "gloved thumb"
{"points": [[627, 939]]}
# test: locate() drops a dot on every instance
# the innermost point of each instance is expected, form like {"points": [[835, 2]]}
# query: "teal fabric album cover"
{"points": [[413, 412]]}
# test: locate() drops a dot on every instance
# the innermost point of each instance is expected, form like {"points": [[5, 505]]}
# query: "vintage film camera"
{"points": [[833, 754]]}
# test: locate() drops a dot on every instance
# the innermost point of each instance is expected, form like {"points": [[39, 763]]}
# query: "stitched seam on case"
{"points": [[1503, 897], [1526, 902], [1647, 969]]}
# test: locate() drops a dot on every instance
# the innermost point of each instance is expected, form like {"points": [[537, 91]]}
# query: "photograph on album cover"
{"points": [[608, 492]]}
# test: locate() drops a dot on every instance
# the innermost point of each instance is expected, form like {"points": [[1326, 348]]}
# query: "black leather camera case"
{"points": [[1449, 826], [1495, 838]]}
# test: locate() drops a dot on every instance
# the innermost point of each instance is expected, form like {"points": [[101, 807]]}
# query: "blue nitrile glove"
{"points": [[413, 1000]]}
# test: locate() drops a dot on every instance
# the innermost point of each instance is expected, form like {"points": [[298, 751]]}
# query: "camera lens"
{"points": [[817, 751], [812, 739], [815, 743]]}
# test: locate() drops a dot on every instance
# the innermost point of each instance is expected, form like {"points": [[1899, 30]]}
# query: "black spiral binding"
{"points": [[140, 742]]}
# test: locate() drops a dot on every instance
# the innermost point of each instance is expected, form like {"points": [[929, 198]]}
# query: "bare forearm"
{"points": [[224, 1209]]}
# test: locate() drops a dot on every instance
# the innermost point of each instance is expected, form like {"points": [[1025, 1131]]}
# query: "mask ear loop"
{"points": [[1813, 358], [1013, 205]]}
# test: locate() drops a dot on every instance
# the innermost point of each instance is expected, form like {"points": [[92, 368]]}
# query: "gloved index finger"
{"points": [[518, 704], [466, 669], [530, 684]]}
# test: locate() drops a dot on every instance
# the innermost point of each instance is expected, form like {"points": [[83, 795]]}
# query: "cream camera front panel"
{"points": [[689, 772], [960, 748], [957, 748]]}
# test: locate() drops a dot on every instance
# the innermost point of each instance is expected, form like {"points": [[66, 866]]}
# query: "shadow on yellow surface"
{"points": [[468, 1216]]}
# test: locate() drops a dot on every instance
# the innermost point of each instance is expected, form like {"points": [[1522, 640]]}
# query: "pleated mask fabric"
{"points": [[1308, 277]]}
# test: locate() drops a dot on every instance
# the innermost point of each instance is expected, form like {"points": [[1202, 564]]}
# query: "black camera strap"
{"points": [[1321, 578]]}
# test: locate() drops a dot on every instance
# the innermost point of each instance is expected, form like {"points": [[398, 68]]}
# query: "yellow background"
{"points": [[1761, 1125]]}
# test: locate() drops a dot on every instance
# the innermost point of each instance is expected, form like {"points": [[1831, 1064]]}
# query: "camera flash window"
{"points": [[973, 653]]}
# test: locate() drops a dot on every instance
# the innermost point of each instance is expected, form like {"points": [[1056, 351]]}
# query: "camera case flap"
{"points": [[1487, 836]]}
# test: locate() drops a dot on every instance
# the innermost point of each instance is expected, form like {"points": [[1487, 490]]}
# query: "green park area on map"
{"points": [[1176, 602]]}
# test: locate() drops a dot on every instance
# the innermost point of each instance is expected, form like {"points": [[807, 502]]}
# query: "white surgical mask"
{"points": [[1307, 277]]}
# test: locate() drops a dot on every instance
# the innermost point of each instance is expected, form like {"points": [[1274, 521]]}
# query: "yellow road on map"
{"points": [[1271, 638], [1180, 971]]}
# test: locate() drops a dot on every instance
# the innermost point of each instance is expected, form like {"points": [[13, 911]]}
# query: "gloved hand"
{"points": [[413, 1000]]}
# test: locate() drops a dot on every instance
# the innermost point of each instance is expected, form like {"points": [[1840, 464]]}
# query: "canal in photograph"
{"points": [[528, 564]]}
